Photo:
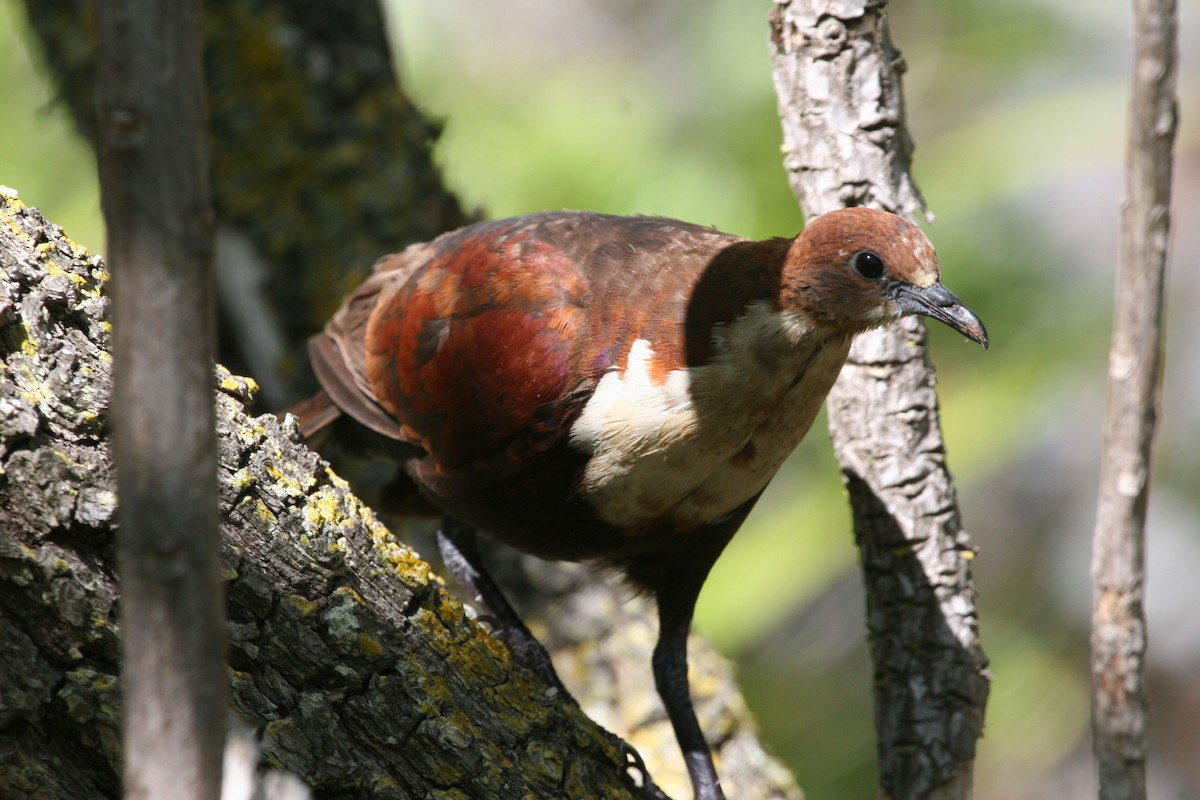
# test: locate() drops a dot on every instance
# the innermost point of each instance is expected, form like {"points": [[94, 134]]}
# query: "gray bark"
{"points": [[312, 111], [347, 656], [837, 76], [1119, 711], [154, 182]]}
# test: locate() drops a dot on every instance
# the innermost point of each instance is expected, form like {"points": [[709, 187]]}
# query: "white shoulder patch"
{"points": [[706, 439], [628, 407]]}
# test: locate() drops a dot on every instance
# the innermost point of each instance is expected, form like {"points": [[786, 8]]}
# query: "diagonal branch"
{"points": [[348, 659]]}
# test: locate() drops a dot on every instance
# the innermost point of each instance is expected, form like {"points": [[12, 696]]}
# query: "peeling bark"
{"points": [[837, 76]]}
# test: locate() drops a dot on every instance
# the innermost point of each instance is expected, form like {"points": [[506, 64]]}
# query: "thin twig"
{"points": [[1118, 567]]}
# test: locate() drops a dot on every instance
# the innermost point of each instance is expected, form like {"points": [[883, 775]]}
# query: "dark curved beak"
{"points": [[943, 305]]}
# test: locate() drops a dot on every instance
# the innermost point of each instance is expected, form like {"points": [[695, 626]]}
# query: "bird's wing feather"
{"points": [[338, 354], [482, 346]]}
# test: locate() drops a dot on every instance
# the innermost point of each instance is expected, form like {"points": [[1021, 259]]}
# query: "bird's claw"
{"points": [[646, 787]]}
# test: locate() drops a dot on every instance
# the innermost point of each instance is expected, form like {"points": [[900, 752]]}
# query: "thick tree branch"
{"points": [[838, 80], [311, 111], [1134, 375]]}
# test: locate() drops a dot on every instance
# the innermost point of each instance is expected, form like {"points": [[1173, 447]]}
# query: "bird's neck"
{"points": [[743, 276]]}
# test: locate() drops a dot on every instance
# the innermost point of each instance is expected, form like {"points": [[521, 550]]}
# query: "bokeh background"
{"points": [[1019, 113]]}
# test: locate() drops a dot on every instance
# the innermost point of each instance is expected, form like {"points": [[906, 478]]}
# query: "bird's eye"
{"points": [[868, 264]]}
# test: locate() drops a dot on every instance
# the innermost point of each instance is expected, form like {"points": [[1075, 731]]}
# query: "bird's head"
{"points": [[858, 268]]}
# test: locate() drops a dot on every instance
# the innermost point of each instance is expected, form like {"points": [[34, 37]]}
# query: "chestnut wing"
{"points": [[482, 347]]}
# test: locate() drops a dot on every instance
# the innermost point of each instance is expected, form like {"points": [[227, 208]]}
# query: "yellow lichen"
{"points": [[288, 483], [250, 433], [370, 645], [337, 480], [305, 607], [11, 198], [243, 479], [348, 591], [401, 560], [264, 513], [321, 508]]}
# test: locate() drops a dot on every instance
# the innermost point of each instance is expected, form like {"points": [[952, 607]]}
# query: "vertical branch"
{"points": [[154, 185], [1134, 372], [845, 142]]}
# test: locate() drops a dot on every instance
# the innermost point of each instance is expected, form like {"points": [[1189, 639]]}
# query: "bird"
{"points": [[611, 389]]}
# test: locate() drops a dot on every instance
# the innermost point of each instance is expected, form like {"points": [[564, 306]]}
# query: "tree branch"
{"points": [[305, 105], [311, 111], [845, 142], [1134, 374], [154, 170]]}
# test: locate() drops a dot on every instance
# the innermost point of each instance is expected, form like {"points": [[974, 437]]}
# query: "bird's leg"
{"points": [[460, 551], [671, 679], [459, 547]]}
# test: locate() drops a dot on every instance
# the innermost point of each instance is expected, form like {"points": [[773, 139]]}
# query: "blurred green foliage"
{"points": [[41, 156], [667, 108]]}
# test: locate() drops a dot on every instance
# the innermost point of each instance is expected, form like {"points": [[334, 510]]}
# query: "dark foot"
{"points": [[636, 770], [460, 552]]}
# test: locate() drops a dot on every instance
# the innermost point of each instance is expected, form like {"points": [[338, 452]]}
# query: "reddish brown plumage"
{"points": [[592, 387], [467, 351]]}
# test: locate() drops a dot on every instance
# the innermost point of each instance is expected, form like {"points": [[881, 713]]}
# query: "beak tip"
{"points": [[974, 330], [939, 303]]}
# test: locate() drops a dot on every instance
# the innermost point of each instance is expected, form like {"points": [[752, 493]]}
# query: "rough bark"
{"points": [[837, 75], [1119, 711], [348, 659]]}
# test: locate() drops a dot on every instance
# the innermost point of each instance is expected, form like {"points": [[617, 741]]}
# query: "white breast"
{"points": [[704, 440]]}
